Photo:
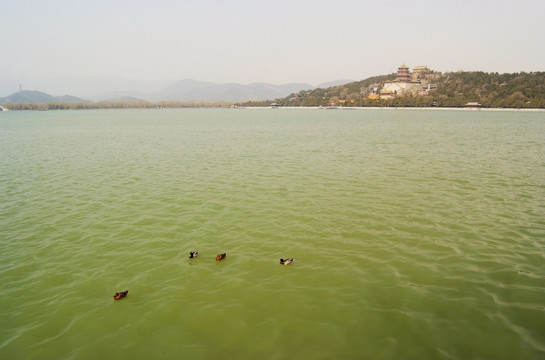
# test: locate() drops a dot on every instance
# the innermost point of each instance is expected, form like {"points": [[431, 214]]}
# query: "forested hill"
{"points": [[491, 90]]}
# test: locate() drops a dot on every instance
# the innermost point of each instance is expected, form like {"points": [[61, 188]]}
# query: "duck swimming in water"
{"points": [[286, 261], [193, 254], [120, 295], [221, 256]]}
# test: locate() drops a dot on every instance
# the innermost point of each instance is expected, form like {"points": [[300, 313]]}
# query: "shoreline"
{"points": [[297, 108], [394, 108]]}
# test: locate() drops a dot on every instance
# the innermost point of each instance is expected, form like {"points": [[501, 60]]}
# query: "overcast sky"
{"points": [[276, 41]]}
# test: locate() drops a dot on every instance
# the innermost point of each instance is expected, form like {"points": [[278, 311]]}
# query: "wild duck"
{"points": [[221, 256], [120, 295], [286, 261], [193, 254]]}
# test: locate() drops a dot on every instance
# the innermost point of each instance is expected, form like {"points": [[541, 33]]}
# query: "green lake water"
{"points": [[416, 234]]}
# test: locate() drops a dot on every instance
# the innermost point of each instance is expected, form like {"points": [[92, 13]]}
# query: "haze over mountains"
{"points": [[28, 96], [103, 89]]}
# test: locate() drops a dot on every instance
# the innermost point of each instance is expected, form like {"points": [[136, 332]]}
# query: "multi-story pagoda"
{"points": [[402, 83], [403, 74]]}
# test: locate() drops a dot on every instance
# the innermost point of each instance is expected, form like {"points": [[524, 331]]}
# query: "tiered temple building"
{"points": [[402, 84]]}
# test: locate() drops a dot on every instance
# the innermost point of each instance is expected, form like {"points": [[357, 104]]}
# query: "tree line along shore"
{"points": [[121, 104]]}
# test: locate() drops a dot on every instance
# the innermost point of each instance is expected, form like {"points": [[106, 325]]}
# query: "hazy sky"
{"points": [[274, 41]]}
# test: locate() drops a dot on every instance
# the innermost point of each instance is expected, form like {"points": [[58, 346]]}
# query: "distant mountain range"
{"points": [[99, 89], [191, 90], [38, 97]]}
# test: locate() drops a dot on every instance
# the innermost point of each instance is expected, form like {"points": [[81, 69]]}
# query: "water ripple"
{"points": [[413, 232]]}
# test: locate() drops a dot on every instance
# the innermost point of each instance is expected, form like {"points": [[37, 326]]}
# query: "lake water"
{"points": [[416, 234]]}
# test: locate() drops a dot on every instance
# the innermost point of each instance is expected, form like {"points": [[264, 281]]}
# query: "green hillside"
{"points": [[491, 90]]}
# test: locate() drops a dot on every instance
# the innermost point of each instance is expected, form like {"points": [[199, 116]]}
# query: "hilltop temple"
{"points": [[403, 82]]}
